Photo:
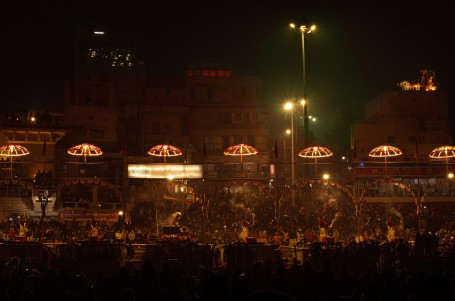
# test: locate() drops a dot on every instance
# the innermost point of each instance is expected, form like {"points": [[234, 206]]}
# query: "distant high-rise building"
{"points": [[107, 87], [96, 52]]}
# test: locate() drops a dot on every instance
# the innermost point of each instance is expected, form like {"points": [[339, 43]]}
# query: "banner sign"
{"points": [[165, 171]]}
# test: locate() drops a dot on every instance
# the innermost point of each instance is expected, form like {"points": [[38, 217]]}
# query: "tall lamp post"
{"points": [[289, 106], [287, 133], [304, 30]]}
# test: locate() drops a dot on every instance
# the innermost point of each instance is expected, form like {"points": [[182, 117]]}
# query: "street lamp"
{"points": [[304, 30], [287, 132], [289, 106]]}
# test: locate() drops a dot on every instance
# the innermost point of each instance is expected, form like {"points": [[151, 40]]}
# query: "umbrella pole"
{"points": [[315, 168], [11, 166], [385, 166], [447, 166]]}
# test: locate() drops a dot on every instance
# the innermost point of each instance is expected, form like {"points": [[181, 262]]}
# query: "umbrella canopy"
{"points": [[315, 152], [240, 150], [443, 152], [85, 150], [384, 151], [164, 150], [13, 150]]}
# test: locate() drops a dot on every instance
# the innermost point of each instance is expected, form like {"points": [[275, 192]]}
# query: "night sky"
{"points": [[360, 48]]}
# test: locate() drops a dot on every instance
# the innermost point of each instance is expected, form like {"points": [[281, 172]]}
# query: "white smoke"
{"points": [[335, 218], [398, 214]]}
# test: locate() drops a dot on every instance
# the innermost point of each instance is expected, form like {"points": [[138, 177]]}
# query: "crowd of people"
{"points": [[223, 215], [380, 252], [356, 271]]}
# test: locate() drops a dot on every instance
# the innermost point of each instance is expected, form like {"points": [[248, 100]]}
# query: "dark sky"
{"points": [[359, 49]]}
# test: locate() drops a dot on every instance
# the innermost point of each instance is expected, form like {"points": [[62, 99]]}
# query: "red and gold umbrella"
{"points": [[85, 150], [384, 151], [315, 152], [164, 150], [443, 152], [240, 150], [13, 150]]}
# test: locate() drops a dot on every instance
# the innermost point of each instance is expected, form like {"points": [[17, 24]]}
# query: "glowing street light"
{"points": [[304, 30], [289, 106], [287, 133]]}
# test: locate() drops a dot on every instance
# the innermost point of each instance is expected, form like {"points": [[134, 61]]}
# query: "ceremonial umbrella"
{"points": [[315, 152], [164, 150], [240, 150], [85, 150], [443, 152], [13, 150], [384, 151]]}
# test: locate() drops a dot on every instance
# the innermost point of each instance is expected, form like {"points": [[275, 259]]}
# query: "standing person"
{"points": [[123, 256], [323, 227], [390, 230], [131, 236], [245, 232], [276, 238], [301, 218], [23, 230]]}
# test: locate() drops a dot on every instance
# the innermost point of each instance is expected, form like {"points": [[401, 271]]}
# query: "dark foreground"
{"points": [[189, 271]]}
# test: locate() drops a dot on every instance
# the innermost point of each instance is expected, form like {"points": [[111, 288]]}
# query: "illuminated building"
{"points": [[416, 121]]}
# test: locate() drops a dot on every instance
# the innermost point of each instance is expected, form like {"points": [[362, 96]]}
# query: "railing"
{"points": [[86, 205]]}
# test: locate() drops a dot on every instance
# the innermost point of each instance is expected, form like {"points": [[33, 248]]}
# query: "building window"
{"points": [[184, 125], [155, 128], [254, 117], [238, 139], [97, 134], [78, 132], [251, 140], [237, 117], [246, 117], [226, 141], [263, 118], [192, 93], [215, 143], [224, 118], [209, 93], [168, 128]]}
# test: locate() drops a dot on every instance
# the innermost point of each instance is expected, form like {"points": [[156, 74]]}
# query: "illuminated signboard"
{"points": [[165, 171]]}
